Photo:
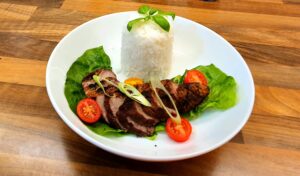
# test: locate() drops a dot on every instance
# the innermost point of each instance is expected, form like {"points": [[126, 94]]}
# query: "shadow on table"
{"points": [[79, 150]]}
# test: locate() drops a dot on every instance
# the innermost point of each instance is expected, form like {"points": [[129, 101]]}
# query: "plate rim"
{"points": [[153, 158]]}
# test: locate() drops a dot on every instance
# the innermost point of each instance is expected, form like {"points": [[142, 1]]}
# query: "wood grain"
{"points": [[22, 71], [25, 46], [35, 141], [277, 101], [40, 30], [280, 37], [205, 16], [16, 12], [35, 103], [273, 131], [276, 75], [39, 3], [255, 6], [61, 16]]}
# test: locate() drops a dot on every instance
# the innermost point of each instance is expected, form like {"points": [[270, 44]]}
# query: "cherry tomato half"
{"points": [[134, 81], [195, 76], [179, 132], [88, 110]]}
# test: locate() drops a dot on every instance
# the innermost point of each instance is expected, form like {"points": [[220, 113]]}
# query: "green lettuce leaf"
{"points": [[158, 128], [223, 90], [104, 130], [91, 60]]}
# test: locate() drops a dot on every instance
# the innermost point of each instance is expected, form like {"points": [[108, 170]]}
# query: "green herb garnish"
{"points": [[132, 22], [133, 93], [129, 90], [155, 83], [144, 9], [97, 80], [162, 22], [158, 16]]}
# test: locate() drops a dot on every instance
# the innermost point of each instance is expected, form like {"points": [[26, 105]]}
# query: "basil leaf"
{"points": [[132, 22], [162, 22], [144, 9], [147, 18], [153, 11], [172, 14]]}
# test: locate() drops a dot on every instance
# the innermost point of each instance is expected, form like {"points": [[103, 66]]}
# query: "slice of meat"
{"points": [[135, 111], [139, 129], [112, 105], [100, 101], [91, 88], [186, 96], [171, 87], [156, 109], [135, 120], [190, 96]]}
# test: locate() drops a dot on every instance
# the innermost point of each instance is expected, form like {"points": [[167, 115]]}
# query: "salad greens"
{"points": [[223, 89], [104, 130], [91, 60], [158, 16]]}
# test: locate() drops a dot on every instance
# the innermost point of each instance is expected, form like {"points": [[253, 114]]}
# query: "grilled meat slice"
{"points": [[156, 110], [100, 101], [91, 88], [134, 109], [136, 128], [186, 96], [135, 120], [190, 96], [112, 105]]}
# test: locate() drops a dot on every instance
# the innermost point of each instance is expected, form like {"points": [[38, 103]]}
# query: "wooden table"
{"points": [[35, 141]]}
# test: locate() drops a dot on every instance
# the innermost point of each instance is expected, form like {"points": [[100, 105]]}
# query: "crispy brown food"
{"points": [[91, 88]]}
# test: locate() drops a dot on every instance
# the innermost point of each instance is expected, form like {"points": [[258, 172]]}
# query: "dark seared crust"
{"points": [[100, 72], [186, 97], [156, 109], [90, 87], [190, 96], [135, 128], [133, 109], [118, 100]]}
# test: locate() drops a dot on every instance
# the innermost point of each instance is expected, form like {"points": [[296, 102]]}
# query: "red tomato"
{"points": [[179, 132], [88, 110], [195, 76]]}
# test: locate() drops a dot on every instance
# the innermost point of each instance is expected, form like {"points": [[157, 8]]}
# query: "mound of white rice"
{"points": [[147, 50]]}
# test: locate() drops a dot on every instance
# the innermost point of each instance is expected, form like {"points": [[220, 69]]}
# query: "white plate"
{"points": [[194, 45]]}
